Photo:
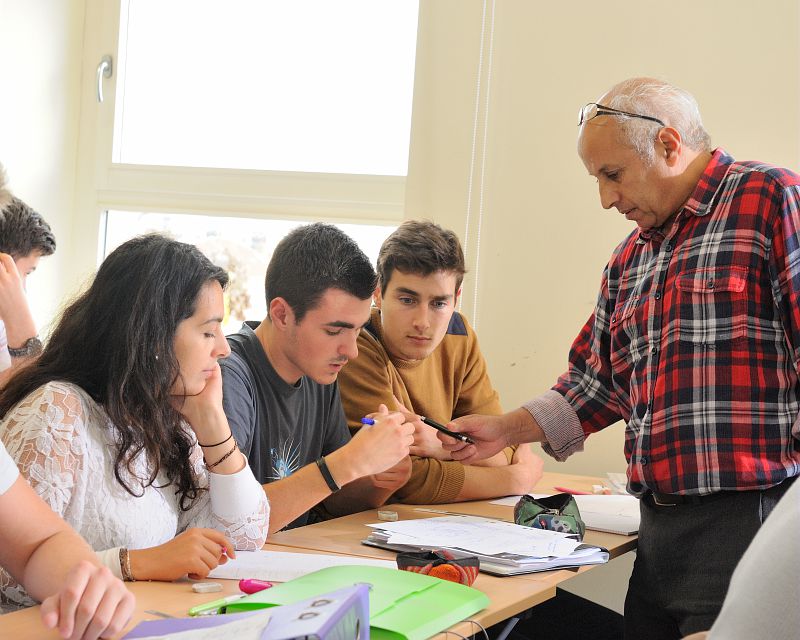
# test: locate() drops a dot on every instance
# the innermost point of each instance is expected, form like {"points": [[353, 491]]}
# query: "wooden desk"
{"points": [[509, 596], [344, 535]]}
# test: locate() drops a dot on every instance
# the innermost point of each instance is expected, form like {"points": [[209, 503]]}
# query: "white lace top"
{"points": [[63, 443]]}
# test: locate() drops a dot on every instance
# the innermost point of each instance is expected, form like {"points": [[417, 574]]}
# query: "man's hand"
{"points": [[491, 434], [91, 604], [426, 444], [487, 432], [377, 447], [14, 311], [394, 477]]}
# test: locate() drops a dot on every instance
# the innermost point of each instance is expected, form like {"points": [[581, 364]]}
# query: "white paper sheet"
{"points": [[281, 566], [489, 537]]}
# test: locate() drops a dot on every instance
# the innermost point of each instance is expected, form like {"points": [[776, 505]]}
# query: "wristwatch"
{"points": [[31, 347]]}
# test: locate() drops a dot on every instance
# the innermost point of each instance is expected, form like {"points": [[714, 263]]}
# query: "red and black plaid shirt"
{"points": [[695, 340]]}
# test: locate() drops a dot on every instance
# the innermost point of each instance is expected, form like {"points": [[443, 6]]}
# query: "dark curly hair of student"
{"points": [[116, 342], [312, 259]]}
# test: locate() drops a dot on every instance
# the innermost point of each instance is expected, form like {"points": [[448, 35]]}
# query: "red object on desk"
{"points": [[574, 492]]}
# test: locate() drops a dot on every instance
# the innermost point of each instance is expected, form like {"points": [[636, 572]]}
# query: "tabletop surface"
{"points": [[508, 595]]}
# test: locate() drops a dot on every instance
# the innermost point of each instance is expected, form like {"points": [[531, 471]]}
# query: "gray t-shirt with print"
{"points": [[278, 426]]}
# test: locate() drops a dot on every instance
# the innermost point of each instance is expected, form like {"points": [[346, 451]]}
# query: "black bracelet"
{"points": [[223, 458], [208, 446], [326, 475]]}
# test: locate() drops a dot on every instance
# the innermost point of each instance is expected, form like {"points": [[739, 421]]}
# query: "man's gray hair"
{"points": [[676, 107]]}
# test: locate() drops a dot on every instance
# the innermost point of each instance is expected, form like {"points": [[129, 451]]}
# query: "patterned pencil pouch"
{"points": [[554, 513], [440, 564]]}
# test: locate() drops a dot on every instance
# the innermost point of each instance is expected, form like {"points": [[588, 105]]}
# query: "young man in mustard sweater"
{"points": [[419, 355]]}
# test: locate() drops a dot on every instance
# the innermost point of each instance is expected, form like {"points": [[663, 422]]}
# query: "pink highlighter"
{"points": [[251, 585]]}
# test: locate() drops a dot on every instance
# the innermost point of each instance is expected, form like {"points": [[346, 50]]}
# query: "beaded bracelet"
{"points": [[209, 446], [125, 565], [223, 458]]}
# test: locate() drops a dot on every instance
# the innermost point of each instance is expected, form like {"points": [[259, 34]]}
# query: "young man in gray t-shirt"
{"points": [[279, 385]]}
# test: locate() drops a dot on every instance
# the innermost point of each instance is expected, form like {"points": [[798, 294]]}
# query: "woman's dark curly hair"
{"points": [[116, 341]]}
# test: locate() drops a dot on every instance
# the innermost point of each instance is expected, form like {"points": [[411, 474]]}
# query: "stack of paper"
{"points": [[503, 548]]}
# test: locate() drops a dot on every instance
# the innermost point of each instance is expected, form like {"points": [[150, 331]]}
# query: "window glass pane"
{"points": [[305, 85], [242, 246]]}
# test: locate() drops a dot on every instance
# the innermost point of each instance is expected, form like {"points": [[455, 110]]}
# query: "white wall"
{"points": [[40, 48], [545, 239]]}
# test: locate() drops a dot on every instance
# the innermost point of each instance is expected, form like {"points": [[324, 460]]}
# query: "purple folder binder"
{"points": [[343, 613]]}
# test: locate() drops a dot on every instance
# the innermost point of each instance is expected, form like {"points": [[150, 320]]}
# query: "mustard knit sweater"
{"points": [[451, 382]]}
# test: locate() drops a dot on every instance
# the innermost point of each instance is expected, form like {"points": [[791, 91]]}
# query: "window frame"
{"points": [[102, 184]]}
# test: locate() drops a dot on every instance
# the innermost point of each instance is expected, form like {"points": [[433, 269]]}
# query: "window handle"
{"points": [[103, 71]]}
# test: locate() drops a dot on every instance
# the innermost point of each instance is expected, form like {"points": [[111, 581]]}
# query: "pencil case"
{"points": [[554, 513], [440, 563]]}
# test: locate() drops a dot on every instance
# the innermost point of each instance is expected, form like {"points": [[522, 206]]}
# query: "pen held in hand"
{"points": [[446, 431]]}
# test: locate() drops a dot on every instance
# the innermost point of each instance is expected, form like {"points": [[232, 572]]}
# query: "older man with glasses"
{"points": [[694, 343]]}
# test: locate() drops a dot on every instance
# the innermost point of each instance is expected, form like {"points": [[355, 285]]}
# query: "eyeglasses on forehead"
{"points": [[593, 109]]}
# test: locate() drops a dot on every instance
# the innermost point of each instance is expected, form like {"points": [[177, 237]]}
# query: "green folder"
{"points": [[402, 604]]}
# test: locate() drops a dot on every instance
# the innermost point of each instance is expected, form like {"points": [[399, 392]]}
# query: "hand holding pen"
{"points": [[382, 442], [480, 437], [426, 444]]}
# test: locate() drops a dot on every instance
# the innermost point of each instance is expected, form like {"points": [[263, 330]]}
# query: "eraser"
{"points": [[206, 587], [389, 516]]}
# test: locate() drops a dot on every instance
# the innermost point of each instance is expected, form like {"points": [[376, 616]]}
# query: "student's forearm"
{"points": [[52, 560], [19, 326], [291, 497], [481, 483], [36, 546], [497, 460], [359, 495]]}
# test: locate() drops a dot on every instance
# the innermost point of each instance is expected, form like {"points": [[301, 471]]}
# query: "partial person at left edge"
{"points": [[24, 238]]}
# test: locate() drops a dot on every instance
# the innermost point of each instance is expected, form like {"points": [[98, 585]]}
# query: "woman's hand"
{"points": [[204, 411], [91, 604], [195, 552], [206, 417]]}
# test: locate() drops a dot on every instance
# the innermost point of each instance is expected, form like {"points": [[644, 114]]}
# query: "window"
{"points": [[246, 109], [242, 246], [306, 85]]}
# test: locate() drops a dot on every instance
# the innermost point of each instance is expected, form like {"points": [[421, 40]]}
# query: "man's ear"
{"points": [[671, 145], [458, 295], [376, 297], [280, 313]]}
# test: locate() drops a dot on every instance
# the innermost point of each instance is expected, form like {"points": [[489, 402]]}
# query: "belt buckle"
{"points": [[662, 504]]}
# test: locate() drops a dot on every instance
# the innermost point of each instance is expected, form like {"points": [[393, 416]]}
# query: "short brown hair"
{"points": [[420, 247], [22, 230]]}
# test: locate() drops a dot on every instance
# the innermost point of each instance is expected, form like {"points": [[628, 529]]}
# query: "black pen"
{"points": [[446, 431]]}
